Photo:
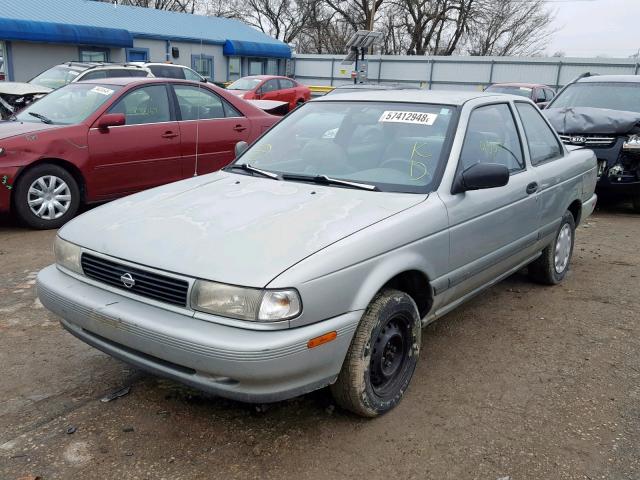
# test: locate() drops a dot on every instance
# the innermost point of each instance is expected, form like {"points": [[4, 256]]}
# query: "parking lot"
{"points": [[522, 382]]}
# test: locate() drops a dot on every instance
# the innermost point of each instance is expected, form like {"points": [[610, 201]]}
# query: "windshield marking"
{"points": [[102, 90], [416, 151]]}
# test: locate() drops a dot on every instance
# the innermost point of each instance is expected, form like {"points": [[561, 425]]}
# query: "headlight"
{"points": [[632, 143], [251, 304], [67, 255]]}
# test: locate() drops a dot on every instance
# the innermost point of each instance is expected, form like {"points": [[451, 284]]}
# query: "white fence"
{"points": [[467, 73]]}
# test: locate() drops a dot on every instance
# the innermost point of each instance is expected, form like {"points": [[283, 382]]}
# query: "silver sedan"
{"points": [[317, 256]]}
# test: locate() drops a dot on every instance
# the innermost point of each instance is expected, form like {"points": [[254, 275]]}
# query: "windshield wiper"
{"points": [[41, 117], [323, 179], [248, 168]]}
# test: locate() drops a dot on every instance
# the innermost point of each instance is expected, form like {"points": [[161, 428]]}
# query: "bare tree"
{"points": [[504, 27], [186, 6]]}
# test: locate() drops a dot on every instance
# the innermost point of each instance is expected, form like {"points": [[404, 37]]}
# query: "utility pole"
{"points": [[371, 20]]}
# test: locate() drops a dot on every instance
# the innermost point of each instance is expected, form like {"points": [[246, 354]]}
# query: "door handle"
{"points": [[239, 128], [532, 188], [169, 134]]}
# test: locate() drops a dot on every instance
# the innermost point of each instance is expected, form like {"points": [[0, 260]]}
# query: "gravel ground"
{"points": [[523, 382]]}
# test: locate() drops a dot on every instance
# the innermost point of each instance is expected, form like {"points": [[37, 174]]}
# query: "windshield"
{"points": [[245, 83], [55, 77], [68, 105], [520, 91], [615, 96], [400, 147]]}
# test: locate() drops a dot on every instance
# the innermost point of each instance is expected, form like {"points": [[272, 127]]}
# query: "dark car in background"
{"points": [[98, 140], [539, 93], [271, 87], [602, 113]]}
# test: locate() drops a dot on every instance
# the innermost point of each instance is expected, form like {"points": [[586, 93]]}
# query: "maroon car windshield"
{"points": [[68, 105]]}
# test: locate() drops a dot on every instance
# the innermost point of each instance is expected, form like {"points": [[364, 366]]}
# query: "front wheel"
{"points": [[382, 356], [636, 202], [551, 267], [46, 196]]}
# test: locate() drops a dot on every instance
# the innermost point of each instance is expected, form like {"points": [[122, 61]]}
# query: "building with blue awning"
{"points": [[38, 34]]}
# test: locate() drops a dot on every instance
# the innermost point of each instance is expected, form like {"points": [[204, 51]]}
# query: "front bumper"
{"points": [[608, 186], [241, 364]]}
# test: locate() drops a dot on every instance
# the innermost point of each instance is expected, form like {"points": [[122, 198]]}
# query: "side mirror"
{"points": [[111, 120], [481, 176], [241, 146]]}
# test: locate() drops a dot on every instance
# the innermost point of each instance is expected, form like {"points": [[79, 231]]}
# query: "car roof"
{"points": [[374, 86], [610, 78], [126, 81], [445, 97], [265, 77], [515, 84]]}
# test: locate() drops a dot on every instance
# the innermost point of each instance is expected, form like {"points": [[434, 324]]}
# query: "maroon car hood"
{"points": [[10, 128]]}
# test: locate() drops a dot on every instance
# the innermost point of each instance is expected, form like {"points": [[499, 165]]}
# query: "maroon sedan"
{"points": [[540, 94], [270, 87], [98, 140]]}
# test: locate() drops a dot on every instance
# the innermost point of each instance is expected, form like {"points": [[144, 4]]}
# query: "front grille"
{"points": [[147, 284], [588, 140]]}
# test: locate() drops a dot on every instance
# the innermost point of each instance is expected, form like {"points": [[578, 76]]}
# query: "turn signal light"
{"points": [[326, 338]]}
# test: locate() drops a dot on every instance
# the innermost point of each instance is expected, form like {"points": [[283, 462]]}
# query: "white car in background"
{"points": [[14, 96]]}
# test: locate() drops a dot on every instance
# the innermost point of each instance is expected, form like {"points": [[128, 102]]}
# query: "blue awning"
{"points": [[240, 48], [31, 31]]}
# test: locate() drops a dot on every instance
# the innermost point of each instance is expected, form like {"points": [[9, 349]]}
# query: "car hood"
{"points": [[19, 88], [587, 120], [11, 128], [231, 228]]}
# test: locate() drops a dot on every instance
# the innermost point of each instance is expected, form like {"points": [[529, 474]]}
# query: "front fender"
{"points": [[345, 276]]}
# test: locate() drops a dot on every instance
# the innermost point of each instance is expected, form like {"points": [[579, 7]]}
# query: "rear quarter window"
{"points": [[542, 142]]}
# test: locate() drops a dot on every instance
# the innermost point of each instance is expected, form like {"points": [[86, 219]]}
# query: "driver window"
{"points": [[144, 105], [492, 137]]}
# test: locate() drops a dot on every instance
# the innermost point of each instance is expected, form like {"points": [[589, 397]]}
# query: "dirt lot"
{"points": [[525, 382]]}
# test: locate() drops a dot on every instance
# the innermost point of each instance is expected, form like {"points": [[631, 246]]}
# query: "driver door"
{"points": [[143, 153], [491, 230]]}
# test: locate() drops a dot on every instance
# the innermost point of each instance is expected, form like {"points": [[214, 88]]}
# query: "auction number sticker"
{"points": [[102, 90], [420, 118]]}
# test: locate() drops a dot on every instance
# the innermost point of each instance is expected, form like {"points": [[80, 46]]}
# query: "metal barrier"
{"points": [[456, 72]]}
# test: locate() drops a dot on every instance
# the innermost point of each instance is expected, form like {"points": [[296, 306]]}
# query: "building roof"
{"points": [[140, 22]]}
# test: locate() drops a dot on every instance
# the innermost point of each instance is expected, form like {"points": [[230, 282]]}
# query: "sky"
{"points": [[588, 28]]}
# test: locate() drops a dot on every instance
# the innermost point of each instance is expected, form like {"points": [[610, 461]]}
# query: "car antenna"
{"points": [[195, 170]]}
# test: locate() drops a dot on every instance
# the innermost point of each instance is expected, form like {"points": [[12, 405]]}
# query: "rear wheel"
{"points": [[552, 266], [382, 356], [46, 196]]}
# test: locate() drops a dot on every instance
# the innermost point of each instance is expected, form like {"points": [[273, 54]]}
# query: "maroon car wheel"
{"points": [[46, 196]]}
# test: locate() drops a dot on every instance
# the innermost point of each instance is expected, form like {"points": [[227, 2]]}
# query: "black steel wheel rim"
{"points": [[390, 355]]}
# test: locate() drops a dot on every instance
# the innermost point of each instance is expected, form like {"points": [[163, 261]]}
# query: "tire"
{"points": [[636, 202], [41, 183], [373, 379], [548, 270]]}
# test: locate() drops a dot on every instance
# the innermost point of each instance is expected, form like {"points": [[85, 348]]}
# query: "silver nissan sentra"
{"points": [[317, 256]]}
